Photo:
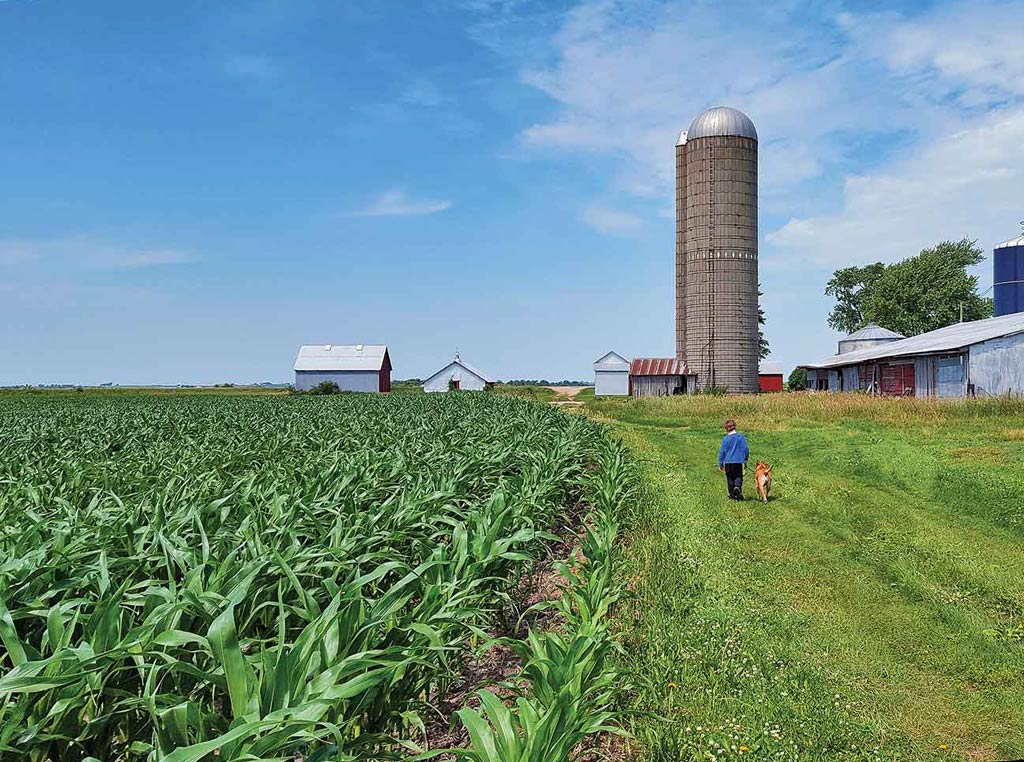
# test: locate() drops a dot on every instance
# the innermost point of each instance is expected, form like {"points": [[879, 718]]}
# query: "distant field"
{"points": [[147, 390], [874, 609]]}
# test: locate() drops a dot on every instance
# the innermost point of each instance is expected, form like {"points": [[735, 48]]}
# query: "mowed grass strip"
{"points": [[872, 610]]}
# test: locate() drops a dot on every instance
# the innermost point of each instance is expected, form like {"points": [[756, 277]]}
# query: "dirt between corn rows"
{"points": [[496, 667], [500, 664]]}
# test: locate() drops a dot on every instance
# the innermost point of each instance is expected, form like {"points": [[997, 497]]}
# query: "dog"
{"points": [[763, 480]]}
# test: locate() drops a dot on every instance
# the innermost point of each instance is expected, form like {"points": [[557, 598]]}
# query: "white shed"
{"points": [[458, 375], [611, 376]]}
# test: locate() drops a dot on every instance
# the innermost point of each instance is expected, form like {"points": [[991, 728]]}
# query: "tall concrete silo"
{"points": [[716, 250]]}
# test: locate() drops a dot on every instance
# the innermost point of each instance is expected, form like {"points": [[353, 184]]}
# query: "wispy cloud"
{"points": [[88, 253], [610, 221], [396, 203], [880, 133], [955, 186]]}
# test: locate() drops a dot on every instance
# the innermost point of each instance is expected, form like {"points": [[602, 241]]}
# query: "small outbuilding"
{"points": [[769, 376], [657, 377], [611, 376], [353, 367], [458, 375]]}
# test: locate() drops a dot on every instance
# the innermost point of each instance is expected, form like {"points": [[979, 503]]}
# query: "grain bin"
{"points": [[869, 336], [1008, 276], [716, 250]]}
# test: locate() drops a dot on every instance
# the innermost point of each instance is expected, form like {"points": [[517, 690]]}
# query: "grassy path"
{"points": [[873, 610]]}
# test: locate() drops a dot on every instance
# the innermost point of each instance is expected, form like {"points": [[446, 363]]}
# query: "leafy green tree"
{"points": [[852, 288], [926, 292], [797, 380], [918, 294], [763, 350]]}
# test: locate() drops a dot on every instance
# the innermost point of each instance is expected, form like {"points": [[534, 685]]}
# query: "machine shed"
{"points": [[611, 376], [657, 377], [977, 358], [353, 367]]}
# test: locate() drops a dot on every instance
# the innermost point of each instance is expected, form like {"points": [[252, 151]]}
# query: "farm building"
{"points": [[353, 367], [457, 376], [611, 376], [978, 358], [769, 376], [869, 336], [658, 377]]}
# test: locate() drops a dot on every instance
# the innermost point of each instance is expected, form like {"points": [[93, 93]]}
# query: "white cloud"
{"points": [[395, 203], [628, 76], [87, 252], [971, 51], [610, 221], [967, 183], [856, 114]]}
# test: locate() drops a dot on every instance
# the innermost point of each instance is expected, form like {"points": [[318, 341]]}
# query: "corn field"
{"points": [[244, 578]]}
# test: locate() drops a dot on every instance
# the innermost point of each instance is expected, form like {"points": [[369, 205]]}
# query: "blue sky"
{"points": [[193, 189]]}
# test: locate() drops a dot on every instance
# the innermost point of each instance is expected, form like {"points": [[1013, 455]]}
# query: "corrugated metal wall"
{"points": [[656, 386], [611, 383], [347, 380], [997, 366]]}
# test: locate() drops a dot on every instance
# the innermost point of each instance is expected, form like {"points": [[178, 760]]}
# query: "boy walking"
{"points": [[732, 459]]}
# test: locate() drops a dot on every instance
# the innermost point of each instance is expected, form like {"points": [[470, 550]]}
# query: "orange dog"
{"points": [[763, 480]]}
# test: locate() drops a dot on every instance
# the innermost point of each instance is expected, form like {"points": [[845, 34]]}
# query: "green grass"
{"points": [[872, 610], [526, 392]]}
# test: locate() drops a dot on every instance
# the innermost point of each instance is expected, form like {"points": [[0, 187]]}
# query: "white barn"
{"points": [[611, 376], [458, 375], [353, 367]]}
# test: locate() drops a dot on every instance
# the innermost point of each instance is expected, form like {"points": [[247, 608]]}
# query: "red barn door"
{"points": [[897, 380]]}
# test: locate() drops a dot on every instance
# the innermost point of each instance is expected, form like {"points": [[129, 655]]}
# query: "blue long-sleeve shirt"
{"points": [[733, 450]]}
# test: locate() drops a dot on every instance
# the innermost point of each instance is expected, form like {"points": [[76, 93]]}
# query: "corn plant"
{"points": [[567, 687], [244, 578]]}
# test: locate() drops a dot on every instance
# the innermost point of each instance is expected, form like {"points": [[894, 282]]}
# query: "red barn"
{"points": [[769, 377]]}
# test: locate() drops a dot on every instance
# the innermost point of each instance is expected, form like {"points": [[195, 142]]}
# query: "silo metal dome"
{"points": [[722, 121]]}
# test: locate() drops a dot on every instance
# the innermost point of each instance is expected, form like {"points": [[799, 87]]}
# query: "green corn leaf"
{"points": [[237, 672]]}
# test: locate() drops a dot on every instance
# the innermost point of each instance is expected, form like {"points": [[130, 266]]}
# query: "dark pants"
{"points": [[734, 480]]}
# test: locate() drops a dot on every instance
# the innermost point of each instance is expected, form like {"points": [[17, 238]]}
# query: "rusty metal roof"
{"points": [[657, 366]]}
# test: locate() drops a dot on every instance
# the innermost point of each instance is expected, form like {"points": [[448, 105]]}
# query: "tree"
{"points": [[763, 350], [797, 380], [325, 387], [919, 294], [852, 288], [926, 292]]}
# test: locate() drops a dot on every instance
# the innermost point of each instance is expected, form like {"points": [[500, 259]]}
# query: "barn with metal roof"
{"points": [[977, 358], [353, 367], [658, 377]]}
